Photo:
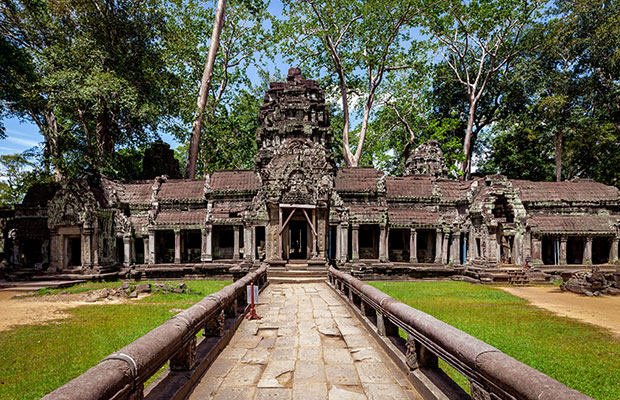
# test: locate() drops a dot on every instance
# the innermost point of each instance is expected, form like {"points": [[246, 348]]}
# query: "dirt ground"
{"points": [[35, 310], [602, 311]]}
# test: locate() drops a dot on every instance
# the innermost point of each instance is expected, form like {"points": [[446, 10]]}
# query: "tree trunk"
{"points": [[205, 83], [103, 137], [558, 155], [466, 166], [50, 131]]}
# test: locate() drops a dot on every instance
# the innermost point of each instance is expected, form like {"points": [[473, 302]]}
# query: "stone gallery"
{"points": [[297, 206]]}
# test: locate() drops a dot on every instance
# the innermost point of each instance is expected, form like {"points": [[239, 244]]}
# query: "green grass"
{"points": [[582, 356], [36, 359]]}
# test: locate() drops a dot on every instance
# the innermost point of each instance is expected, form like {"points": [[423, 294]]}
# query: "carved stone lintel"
{"points": [[185, 358]]}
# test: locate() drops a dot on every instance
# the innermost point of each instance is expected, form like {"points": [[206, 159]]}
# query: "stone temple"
{"points": [[298, 208]]}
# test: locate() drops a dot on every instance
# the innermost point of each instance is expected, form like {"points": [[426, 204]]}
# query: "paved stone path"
{"points": [[308, 345]]}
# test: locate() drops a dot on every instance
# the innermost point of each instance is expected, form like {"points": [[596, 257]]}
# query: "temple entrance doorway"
{"points": [[297, 240], [74, 251]]}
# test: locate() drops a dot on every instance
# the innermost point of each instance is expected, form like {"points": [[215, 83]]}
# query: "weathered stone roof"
{"points": [[357, 179], [39, 194], [582, 190], [453, 190], [170, 217], [134, 193], [234, 181], [367, 213], [409, 186], [182, 189], [407, 216], [603, 224]]}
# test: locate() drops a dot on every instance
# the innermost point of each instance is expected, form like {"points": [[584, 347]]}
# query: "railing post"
{"points": [[366, 309], [185, 358], [419, 356], [385, 327], [215, 326], [479, 393], [137, 393]]}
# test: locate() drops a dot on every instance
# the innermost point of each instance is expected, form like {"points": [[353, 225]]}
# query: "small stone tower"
{"points": [[427, 159]]}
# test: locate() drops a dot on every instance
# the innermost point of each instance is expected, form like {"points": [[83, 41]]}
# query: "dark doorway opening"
{"points": [[191, 242], [332, 242], [600, 250], [32, 251], [398, 245], [369, 242], [574, 250], [139, 249], [550, 250], [297, 240], [224, 242], [120, 250], [260, 242], [164, 247], [426, 245], [74, 245]]}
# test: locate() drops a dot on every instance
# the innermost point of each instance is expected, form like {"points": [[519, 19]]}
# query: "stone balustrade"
{"points": [[122, 374], [493, 374]]}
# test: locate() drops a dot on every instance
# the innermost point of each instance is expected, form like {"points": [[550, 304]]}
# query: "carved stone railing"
{"points": [[122, 374], [492, 374]]}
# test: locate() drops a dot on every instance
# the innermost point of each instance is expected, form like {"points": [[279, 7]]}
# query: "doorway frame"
{"points": [[311, 223]]}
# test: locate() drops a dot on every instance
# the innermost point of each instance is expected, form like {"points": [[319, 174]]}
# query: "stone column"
{"points": [[236, 242], [587, 252], [126, 250], [147, 250], [536, 250], [280, 238], [613, 250], [344, 229], [206, 253], [382, 241], [438, 237], [454, 250], [413, 246], [492, 251], [337, 241], [562, 256], [54, 250], [247, 243], [87, 254], [152, 250], [444, 248], [177, 246], [355, 242]]}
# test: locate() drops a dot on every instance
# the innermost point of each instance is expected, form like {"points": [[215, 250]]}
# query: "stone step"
{"points": [[277, 280], [302, 274], [297, 267]]}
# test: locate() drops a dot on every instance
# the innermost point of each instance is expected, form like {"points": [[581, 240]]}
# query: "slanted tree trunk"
{"points": [[558, 155], [205, 83], [103, 137], [466, 166]]}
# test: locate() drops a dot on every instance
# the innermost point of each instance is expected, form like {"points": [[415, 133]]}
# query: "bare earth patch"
{"points": [[35, 310], [601, 311]]}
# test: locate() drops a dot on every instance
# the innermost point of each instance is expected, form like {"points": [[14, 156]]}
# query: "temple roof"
{"points": [[182, 189], [234, 180], [409, 186], [357, 179], [581, 190], [406, 216], [557, 224], [134, 193], [181, 217]]}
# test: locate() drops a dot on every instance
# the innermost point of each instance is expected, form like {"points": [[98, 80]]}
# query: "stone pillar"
{"points": [[382, 241], [413, 246], [177, 246], [613, 250], [236, 242], [337, 241], [355, 242], [492, 251], [247, 243], [536, 250], [147, 250], [54, 250], [562, 255], [206, 253], [454, 250], [280, 238], [444, 248], [152, 250], [438, 237], [126, 250], [87, 254], [587, 252], [344, 229]]}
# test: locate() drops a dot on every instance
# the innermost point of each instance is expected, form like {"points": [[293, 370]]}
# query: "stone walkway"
{"points": [[308, 345]]}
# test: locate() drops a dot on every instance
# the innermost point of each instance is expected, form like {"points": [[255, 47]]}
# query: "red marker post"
{"points": [[252, 313]]}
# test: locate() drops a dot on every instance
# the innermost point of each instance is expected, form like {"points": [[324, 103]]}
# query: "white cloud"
{"points": [[23, 142]]}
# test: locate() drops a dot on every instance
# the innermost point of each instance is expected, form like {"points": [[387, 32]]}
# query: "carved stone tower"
{"points": [[296, 166], [427, 159]]}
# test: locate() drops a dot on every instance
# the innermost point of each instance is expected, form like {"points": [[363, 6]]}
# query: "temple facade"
{"points": [[297, 206]]}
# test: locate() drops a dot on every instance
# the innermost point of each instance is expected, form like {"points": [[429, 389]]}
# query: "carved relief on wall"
{"points": [[73, 204]]}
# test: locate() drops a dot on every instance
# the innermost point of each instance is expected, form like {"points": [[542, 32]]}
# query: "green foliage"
{"points": [[579, 355], [17, 173], [36, 359]]}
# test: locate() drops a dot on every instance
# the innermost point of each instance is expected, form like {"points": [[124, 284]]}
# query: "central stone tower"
{"points": [[296, 166]]}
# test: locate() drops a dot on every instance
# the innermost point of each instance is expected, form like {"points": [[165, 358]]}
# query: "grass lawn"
{"points": [[36, 359], [582, 356]]}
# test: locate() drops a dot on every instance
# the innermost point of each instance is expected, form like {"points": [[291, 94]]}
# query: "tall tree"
{"points": [[359, 43], [478, 40], [205, 83]]}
